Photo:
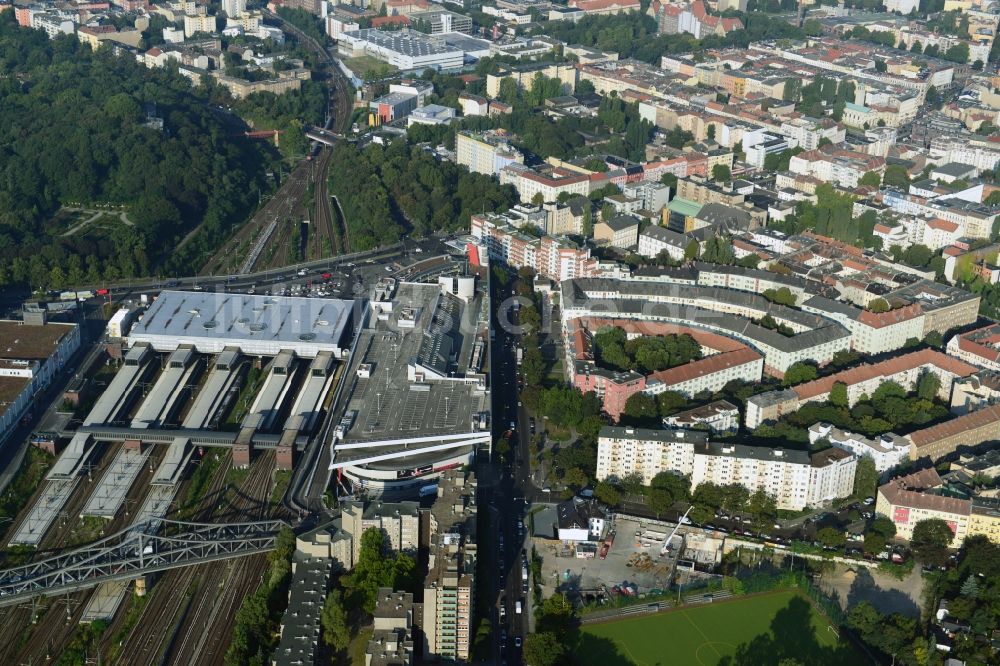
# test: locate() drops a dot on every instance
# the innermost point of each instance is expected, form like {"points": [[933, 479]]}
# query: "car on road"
{"points": [[517, 641]]}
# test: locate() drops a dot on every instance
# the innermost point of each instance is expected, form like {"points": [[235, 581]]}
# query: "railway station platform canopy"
{"points": [[257, 325]]}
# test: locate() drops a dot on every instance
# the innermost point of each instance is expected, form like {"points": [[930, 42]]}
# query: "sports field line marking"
{"points": [[638, 662], [698, 629]]}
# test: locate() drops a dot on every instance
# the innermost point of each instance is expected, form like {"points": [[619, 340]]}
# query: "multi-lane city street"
{"points": [[512, 491]]}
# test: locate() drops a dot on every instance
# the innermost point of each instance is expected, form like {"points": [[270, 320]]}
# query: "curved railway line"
{"points": [[291, 195]]}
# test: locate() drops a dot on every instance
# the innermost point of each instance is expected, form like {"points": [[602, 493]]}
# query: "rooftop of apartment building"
{"points": [[300, 624], [978, 463], [745, 452], [394, 605], [919, 491], [389, 647], [491, 136], [26, 342], [986, 506], [828, 457], [962, 424], [703, 413], [454, 508], [376, 510], [886, 368], [666, 436], [881, 444], [811, 287], [621, 222], [577, 512], [634, 299]]}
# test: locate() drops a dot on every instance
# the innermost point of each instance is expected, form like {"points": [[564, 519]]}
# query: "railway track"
{"points": [[225, 584], [170, 594], [54, 629], [323, 212], [228, 258], [38, 638], [192, 607]]}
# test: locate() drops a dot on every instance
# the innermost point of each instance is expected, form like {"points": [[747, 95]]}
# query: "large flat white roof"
{"points": [[257, 325]]}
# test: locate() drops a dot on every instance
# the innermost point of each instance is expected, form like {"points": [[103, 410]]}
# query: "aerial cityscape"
{"points": [[500, 332]]}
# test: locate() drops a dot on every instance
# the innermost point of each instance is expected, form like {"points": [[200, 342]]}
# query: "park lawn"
{"points": [[741, 632]]}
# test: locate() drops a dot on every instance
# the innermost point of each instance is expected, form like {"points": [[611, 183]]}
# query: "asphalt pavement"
{"points": [[508, 504]]}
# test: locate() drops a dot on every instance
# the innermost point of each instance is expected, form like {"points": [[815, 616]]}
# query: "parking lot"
{"points": [[632, 559]]}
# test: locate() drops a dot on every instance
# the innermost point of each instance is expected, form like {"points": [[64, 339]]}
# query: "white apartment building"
{"points": [[529, 182], [655, 239], [807, 132], [771, 239], [831, 475], [234, 8], [795, 479], [842, 168], [758, 144], [336, 26], [485, 153], [198, 23], [651, 194], [53, 24], [622, 452], [886, 451], [399, 521], [964, 151]]}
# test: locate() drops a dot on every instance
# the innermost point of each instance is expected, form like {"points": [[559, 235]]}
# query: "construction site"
{"points": [[201, 423], [642, 556]]}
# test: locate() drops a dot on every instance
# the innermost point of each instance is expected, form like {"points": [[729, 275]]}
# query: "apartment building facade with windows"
{"points": [[795, 479], [449, 588], [487, 152]]}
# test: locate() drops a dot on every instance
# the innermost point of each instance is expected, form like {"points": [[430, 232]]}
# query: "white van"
{"points": [[517, 607]]}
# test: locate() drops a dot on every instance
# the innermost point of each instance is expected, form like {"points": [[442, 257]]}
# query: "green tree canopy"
{"points": [[798, 373], [336, 632], [544, 649], [871, 179], [930, 541], [865, 478], [838, 394], [721, 173]]}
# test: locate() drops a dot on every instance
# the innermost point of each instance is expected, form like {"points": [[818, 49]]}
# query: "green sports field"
{"points": [[750, 631]]}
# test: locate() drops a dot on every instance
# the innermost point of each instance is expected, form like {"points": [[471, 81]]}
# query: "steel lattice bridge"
{"points": [[135, 552]]}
